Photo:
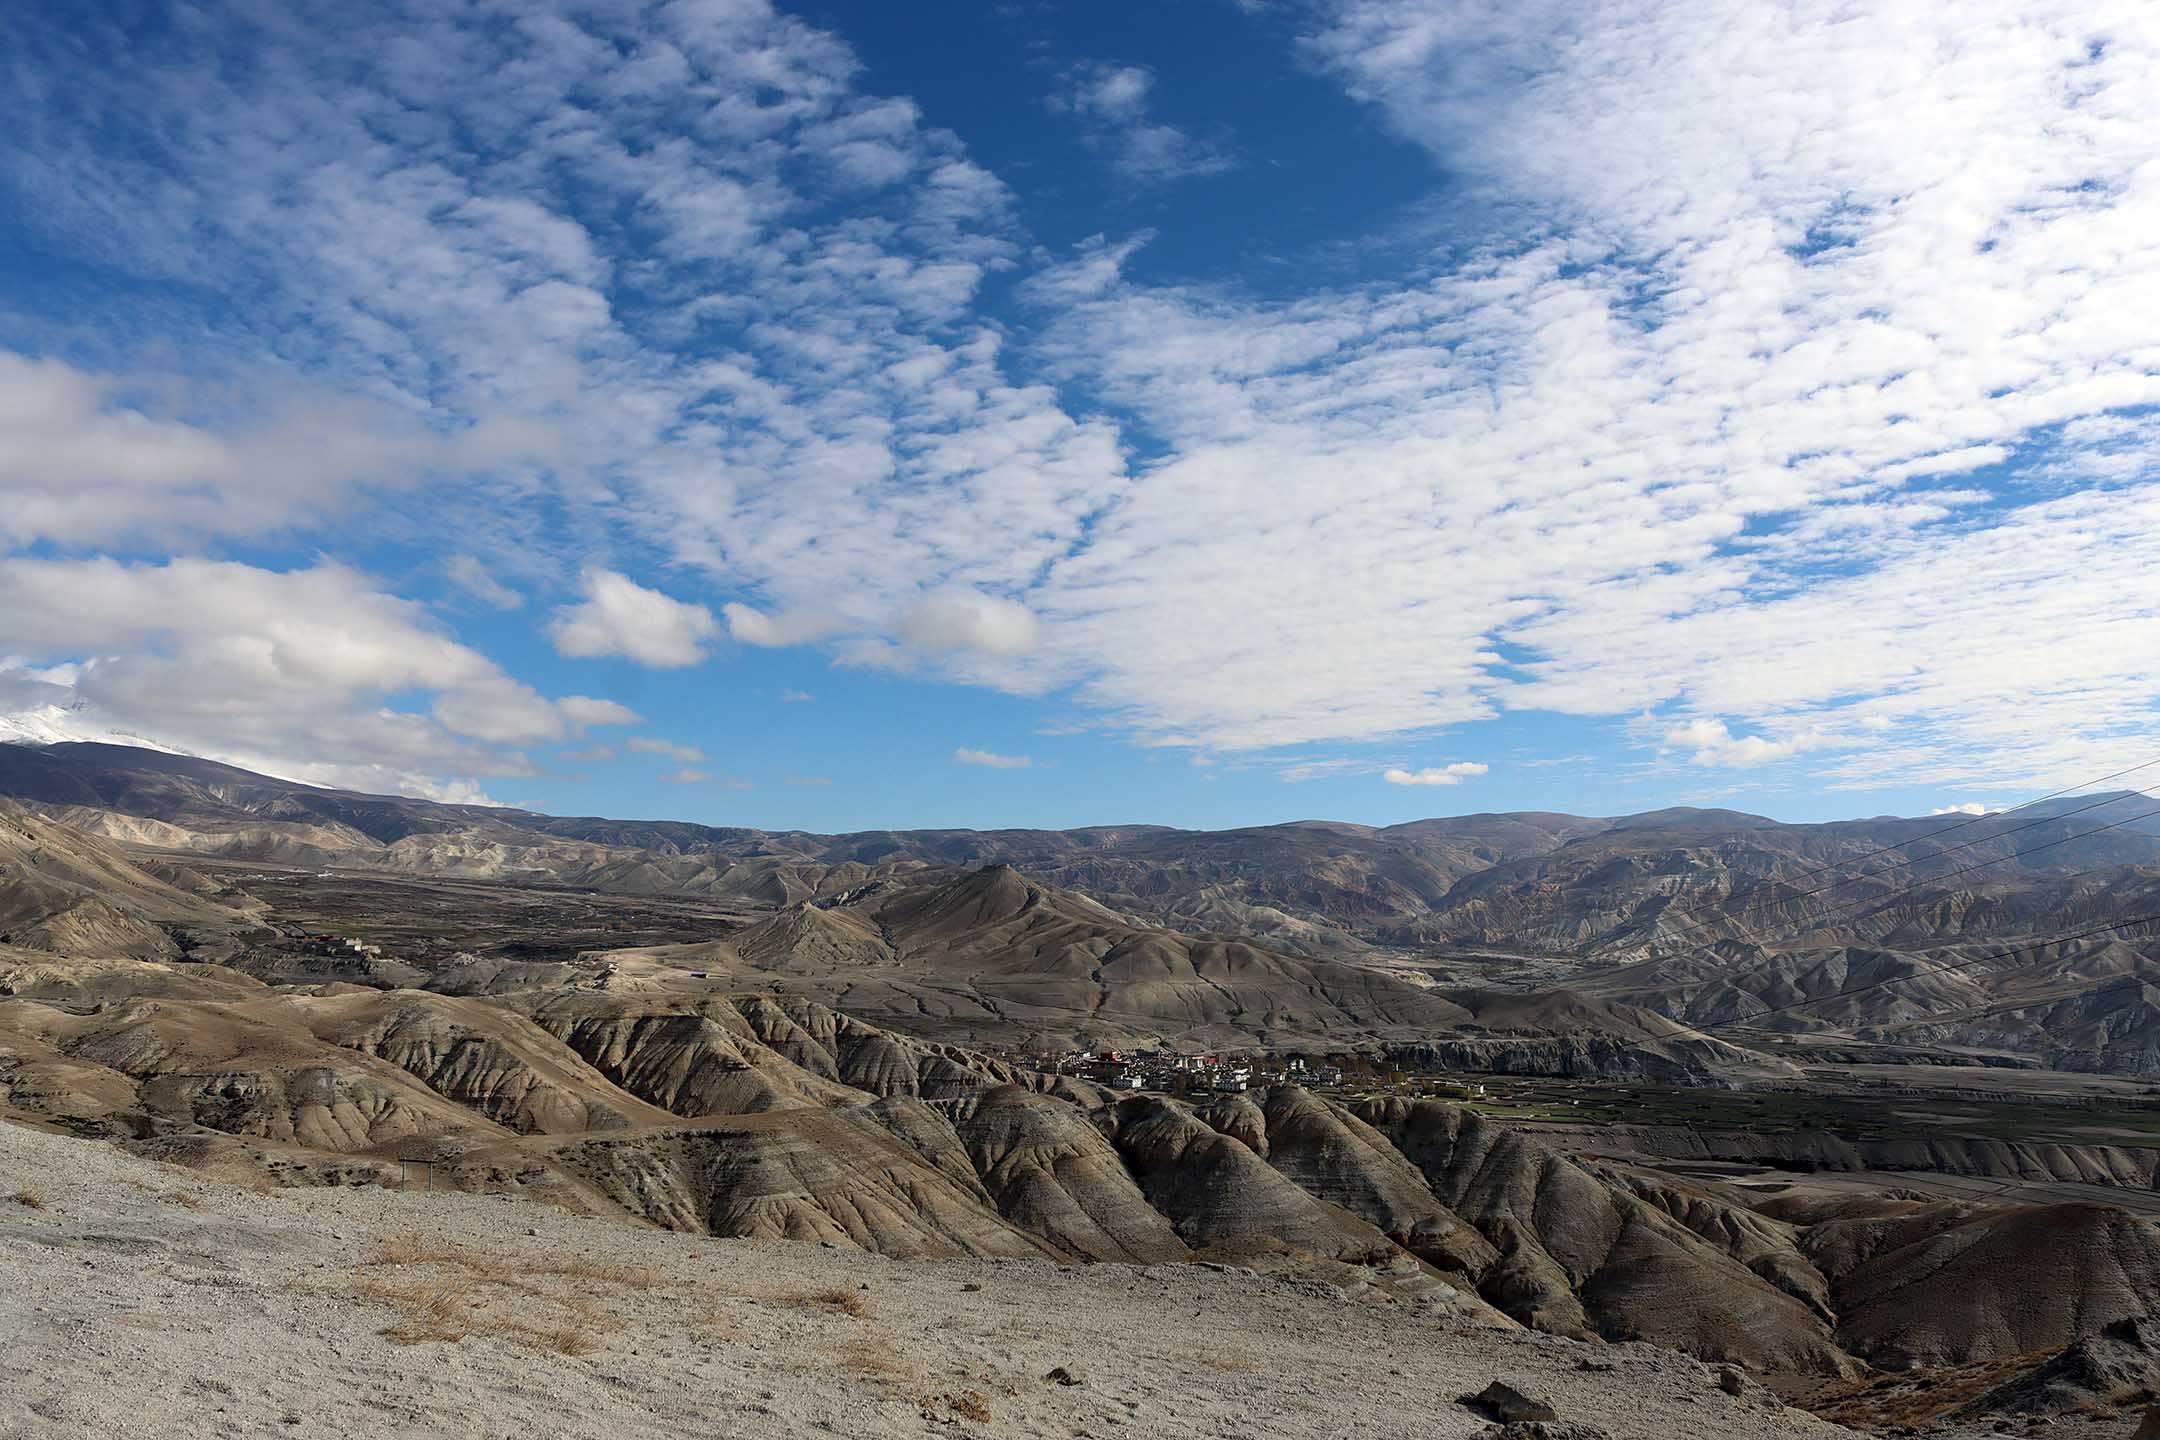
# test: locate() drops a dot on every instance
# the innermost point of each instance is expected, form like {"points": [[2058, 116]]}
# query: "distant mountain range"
{"points": [[1936, 930]]}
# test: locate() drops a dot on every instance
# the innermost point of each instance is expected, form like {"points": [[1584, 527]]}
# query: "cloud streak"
{"points": [[990, 759], [1110, 105], [652, 745], [1453, 774]]}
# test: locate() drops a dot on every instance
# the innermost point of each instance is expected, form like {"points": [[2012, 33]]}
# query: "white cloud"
{"points": [[621, 617], [584, 710], [505, 711], [1713, 743], [471, 576], [95, 458], [1969, 807], [290, 672], [687, 776], [857, 440], [991, 759], [796, 697], [449, 792], [1304, 770], [652, 745], [967, 620], [1434, 775], [750, 626], [1710, 424], [1110, 104], [1707, 438]]}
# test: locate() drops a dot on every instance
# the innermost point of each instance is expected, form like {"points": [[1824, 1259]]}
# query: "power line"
{"points": [[1979, 819]]}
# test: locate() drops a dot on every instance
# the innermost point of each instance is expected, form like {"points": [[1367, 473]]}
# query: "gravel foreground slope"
{"points": [[140, 1299]]}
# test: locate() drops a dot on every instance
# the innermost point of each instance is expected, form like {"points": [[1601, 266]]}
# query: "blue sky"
{"points": [[1214, 412]]}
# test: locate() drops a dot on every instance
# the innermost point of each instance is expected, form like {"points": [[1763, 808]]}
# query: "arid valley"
{"points": [[1070, 720], [1884, 1150]]}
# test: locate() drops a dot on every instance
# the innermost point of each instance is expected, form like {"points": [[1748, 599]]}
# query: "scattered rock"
{"points": [[1507, 1404], [1731, 1381], [970, 1288], [1067, 1375]]}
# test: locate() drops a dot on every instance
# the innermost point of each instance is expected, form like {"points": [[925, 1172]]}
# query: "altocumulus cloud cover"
{"points": [[1745, 399]]}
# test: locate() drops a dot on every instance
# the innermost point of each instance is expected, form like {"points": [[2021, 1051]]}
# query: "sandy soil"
{"points": [[139, 1299]]}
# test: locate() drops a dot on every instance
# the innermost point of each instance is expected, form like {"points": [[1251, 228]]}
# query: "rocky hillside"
{"points": [[63, 891], [364, 1312], [651, 1094], [994, 954], [745, 1116]]}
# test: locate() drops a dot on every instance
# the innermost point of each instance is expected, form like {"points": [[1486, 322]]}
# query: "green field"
{"points": [[2126, 1121]]}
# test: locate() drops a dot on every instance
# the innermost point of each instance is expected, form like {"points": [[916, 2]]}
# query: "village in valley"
{"points": [[1220, 1073]]}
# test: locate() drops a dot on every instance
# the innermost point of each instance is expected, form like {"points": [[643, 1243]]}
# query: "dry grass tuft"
{"points": [[837, 1300], [563, 1337], [448, 1311], [1917, 1397], [969, 1405], [230, 1172], [540, 1302], [29, 1199], [630, 1277], [874, 1357], [432, 1310], [505, 1269], [710, 1322]]}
